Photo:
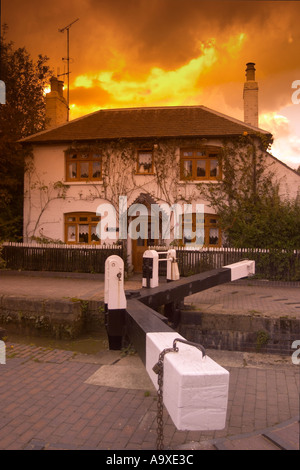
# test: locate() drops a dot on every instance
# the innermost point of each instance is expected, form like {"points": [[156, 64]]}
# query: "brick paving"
{"points": [[260, 298], [45, 403]]}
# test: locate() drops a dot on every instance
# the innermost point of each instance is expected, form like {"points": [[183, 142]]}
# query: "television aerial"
{"points": [[62, 30]]}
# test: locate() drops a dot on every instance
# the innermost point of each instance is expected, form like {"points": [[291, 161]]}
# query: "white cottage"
{"points": [[132, 160]]}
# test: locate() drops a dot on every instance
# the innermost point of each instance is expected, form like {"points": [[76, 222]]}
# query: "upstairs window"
{"points": [[144, 162], [83, 166], [80, 227], [197, 164]]}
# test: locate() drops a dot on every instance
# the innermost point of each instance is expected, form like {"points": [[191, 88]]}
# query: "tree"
{"points": [[251, 212], [23, 114]]}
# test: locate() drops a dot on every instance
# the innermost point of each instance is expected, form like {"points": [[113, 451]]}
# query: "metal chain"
{"points": [[159, 369]]}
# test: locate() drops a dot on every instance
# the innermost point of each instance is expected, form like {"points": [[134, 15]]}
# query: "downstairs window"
{"points": [[80, 227]]}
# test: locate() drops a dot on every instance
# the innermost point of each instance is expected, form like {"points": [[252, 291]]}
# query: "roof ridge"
{"points": [[235, 120], [37, 134], [107, 124]]}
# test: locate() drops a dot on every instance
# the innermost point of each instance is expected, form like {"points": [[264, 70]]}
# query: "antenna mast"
{"points": [[67, 28]]}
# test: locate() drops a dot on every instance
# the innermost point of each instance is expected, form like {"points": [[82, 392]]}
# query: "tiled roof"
{"points": [[177, 121]]}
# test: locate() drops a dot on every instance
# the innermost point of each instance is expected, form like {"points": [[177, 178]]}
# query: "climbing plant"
{"points": [[251, 211]]}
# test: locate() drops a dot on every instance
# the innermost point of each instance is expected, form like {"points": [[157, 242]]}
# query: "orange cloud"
{"points": [[160, 86], [161, 52]]}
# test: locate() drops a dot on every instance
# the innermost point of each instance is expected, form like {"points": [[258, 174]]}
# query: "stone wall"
{"points": [[70, 318], [60, 319], [240, 332]]}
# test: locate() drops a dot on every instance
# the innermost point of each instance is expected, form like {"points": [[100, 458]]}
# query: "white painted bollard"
{"points": [[150, 269], [114, 295], [114, 300], [195, 389], [172, 266]]}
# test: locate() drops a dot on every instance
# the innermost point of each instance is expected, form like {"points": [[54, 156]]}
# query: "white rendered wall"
{"points": [[44, 211]]}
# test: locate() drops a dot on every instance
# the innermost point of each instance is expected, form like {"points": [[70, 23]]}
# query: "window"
{"points": [[212, 231], [83, 166], [80, 227], [144, 162], [200, 164], [207, 235]]}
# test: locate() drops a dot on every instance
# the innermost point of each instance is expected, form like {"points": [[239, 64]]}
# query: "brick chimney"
{"points": [[56, 105], [250, 96]]}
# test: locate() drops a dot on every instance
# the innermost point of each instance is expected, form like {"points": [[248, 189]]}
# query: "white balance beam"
{"points": [[195, 389], [241, 269]]}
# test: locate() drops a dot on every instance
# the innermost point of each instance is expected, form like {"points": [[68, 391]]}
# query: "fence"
{"points": [[60, 258], [282, 265], [272, 264]]}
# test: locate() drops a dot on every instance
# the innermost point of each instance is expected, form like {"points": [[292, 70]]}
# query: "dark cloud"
{"points": [[126, 39], [167, 32], [164, 33], [130, 37]]}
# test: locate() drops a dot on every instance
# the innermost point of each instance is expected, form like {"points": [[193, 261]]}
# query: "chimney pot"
{"points": [[250, 71], [61, 88], [54, 84]]}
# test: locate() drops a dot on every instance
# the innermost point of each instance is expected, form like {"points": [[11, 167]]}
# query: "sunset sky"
{"points": [[133, 53]]}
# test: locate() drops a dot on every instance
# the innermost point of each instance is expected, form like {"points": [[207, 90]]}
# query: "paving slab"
{"points": [[47, 400], [284, 436], [266, 300]]}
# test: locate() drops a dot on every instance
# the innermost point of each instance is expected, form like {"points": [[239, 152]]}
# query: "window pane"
{"points": [[213, 236], [96, 169], [214, 168], [72, 156], [188, 153], [187, 168], [201, 171], [94, 235], [145, 162], [84, 170], [199, 219], [83, 219], [71, 233], [83, 235], [188, 227], [72, 170], [199, 236], [200, 153]]}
